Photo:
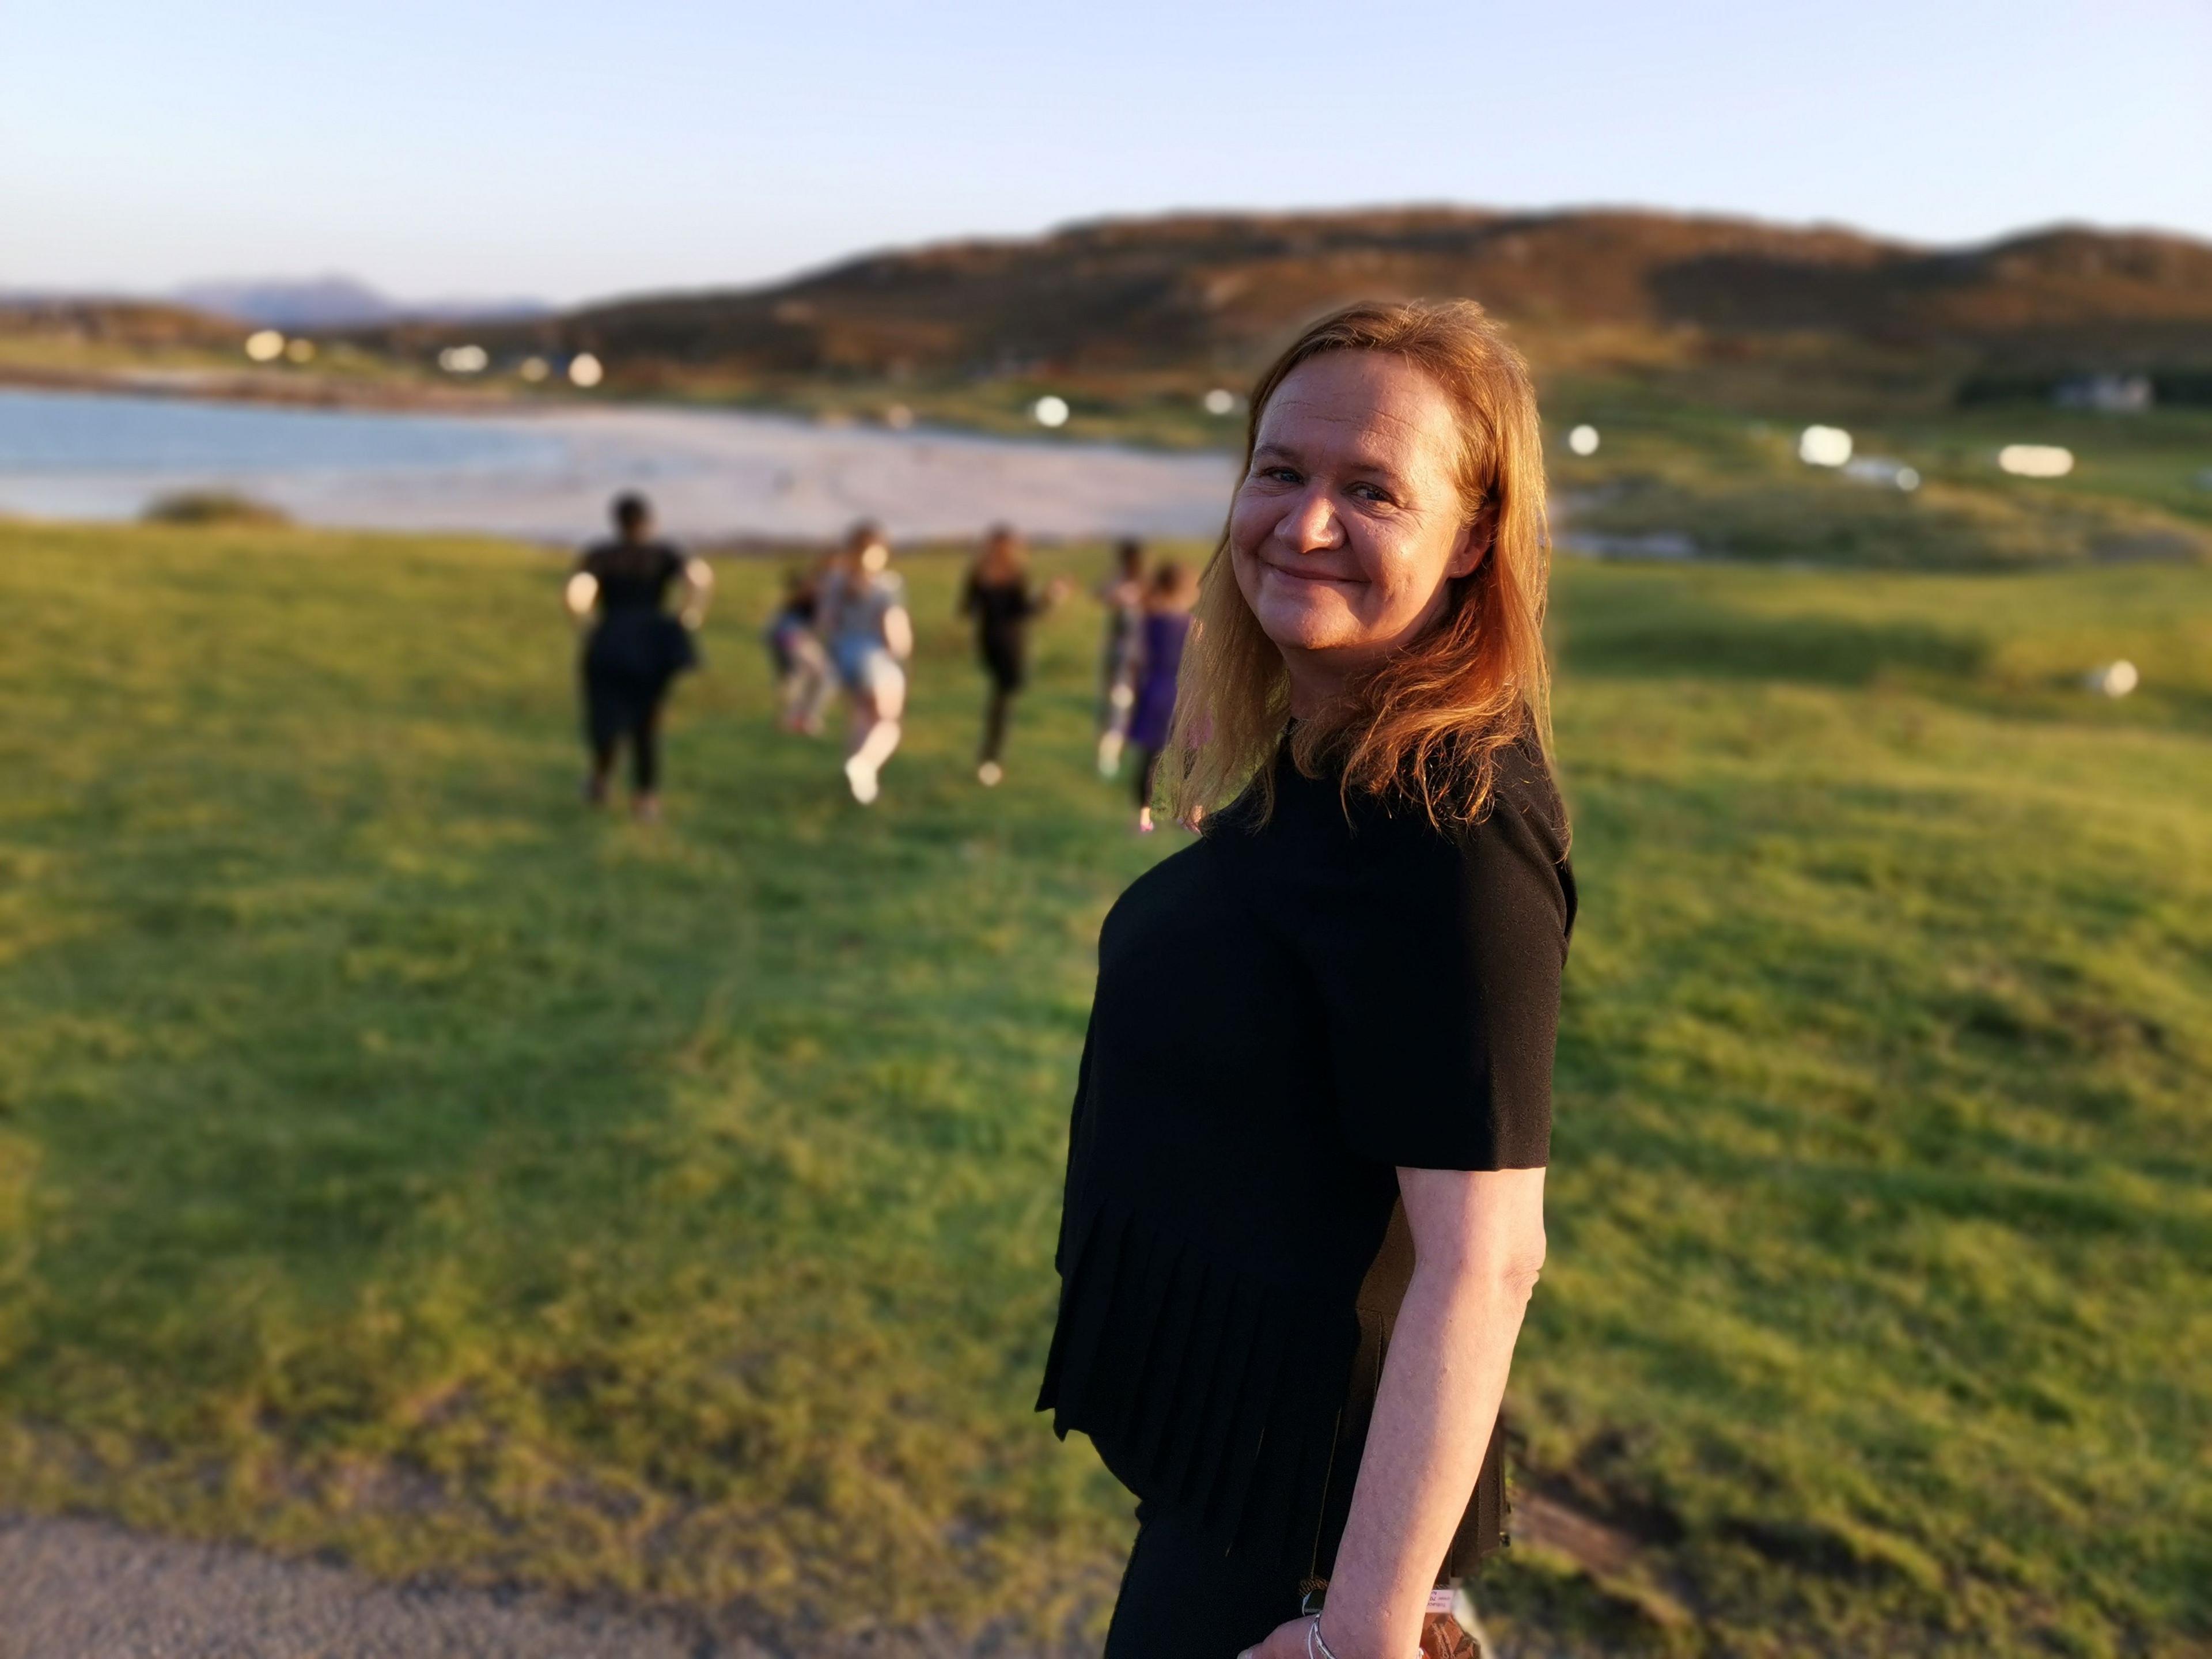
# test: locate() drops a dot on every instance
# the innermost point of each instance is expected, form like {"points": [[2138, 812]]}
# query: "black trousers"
{"points": [[616, 709], [1007, 672], [1184, 1598], [1001, 705]]}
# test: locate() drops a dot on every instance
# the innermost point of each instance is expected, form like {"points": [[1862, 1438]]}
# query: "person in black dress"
{"points": [[634, 648], [1304, 1205], [998, 596]]}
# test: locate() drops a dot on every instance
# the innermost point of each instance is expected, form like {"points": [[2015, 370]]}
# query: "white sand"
{"points": [[709, 474]]}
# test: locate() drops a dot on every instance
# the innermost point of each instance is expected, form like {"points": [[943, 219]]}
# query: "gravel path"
{"points": [[74, 1588], [90, 1589]]}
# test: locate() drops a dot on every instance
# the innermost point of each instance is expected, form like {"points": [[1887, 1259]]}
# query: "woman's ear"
{"points": [[1474, 540]]}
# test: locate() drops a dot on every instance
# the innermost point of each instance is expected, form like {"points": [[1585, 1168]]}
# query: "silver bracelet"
{"points": [[1316, 1639]]}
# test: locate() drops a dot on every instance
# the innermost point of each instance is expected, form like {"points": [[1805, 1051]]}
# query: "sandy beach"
{"points": [[548, 475]]}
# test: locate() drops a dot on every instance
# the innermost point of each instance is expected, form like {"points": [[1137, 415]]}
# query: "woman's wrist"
{"points": [[1319, 1646]]}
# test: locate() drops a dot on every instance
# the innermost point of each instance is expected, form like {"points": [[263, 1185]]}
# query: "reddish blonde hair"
{"points": [[1425, 726]]}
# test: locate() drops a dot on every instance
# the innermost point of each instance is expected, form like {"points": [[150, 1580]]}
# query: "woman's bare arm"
{"points": [[579, 595], [699, 592], [898, 632], [1478, 1247]]}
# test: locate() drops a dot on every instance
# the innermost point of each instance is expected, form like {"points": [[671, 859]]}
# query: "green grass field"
{"points": [[396, 1160]]}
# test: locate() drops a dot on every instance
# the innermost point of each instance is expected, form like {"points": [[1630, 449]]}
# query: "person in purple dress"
{"points": [[1165, 625]]}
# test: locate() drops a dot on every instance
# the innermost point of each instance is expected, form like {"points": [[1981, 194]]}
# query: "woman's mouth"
{"points": [[1297, 573]]}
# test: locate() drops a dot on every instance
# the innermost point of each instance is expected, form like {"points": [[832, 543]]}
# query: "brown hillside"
{"points": [[1217, 289], [114, 322]]}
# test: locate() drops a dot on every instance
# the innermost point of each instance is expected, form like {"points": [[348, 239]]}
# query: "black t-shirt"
{"points": [[1002, 610], [632, 575], [1285, 1016]]}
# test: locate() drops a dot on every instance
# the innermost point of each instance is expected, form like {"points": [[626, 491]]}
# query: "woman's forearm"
{"points": [[1442, 1383]]}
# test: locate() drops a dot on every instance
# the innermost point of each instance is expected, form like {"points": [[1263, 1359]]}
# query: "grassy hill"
{"points": [[1132, 320], [63, 340], [1214, 295], [396, 1161]]}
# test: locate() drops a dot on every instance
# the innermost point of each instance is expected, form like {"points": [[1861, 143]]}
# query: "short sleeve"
{"points": [[1438, 957]]}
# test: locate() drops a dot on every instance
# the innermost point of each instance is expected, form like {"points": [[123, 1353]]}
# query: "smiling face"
{"points": [[1349, 523]]}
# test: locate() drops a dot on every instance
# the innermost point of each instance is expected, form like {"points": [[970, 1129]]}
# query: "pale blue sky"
{"points": [[568, 149]]}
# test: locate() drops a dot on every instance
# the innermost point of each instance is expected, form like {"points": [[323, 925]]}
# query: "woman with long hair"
{"points": [[1304, 1199], [998, 596], [634, 648]]}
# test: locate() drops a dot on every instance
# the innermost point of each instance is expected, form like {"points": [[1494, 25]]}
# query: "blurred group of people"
{"points": [[843, 626]]}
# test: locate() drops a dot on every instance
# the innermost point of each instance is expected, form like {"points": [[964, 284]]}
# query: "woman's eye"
{"points": [[1280, 474], [1368, 492]]}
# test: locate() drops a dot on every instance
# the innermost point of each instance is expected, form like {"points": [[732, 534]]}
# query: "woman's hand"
{"points": [[1284, 1642], [1295, 1641]]}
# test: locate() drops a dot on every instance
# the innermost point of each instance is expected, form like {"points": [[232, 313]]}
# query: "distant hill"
{"points": [[133, 323], [1219, 289], [315, 305]]}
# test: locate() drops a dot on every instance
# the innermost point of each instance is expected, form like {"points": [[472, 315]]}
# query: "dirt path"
{"points": [[90, 1589], [73, 1588]]}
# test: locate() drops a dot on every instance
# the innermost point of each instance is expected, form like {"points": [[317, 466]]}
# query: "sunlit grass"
{"points": [[394, 1158]]}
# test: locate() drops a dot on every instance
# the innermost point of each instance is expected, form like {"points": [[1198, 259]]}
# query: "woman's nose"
{"points": [[1311, 524]]}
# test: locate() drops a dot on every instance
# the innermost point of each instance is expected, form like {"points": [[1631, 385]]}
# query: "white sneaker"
{"points": [[990, 773], [862, 777]]}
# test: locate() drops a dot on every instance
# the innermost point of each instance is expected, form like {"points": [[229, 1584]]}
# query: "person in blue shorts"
{"points": [[870, 635]]}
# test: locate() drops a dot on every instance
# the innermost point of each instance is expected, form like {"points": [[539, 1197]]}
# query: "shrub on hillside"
{"points": [[207, 507]]}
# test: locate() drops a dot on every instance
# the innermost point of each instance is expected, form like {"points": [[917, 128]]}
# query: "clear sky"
{"points": [[566, 149]]}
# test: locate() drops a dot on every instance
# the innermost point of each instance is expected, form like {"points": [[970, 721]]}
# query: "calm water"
{"points": [[47, 432], [548, 474]]}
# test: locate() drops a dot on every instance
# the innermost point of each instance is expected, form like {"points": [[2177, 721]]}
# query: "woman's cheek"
{"points": [[1399, 580], [1247, 527]]}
